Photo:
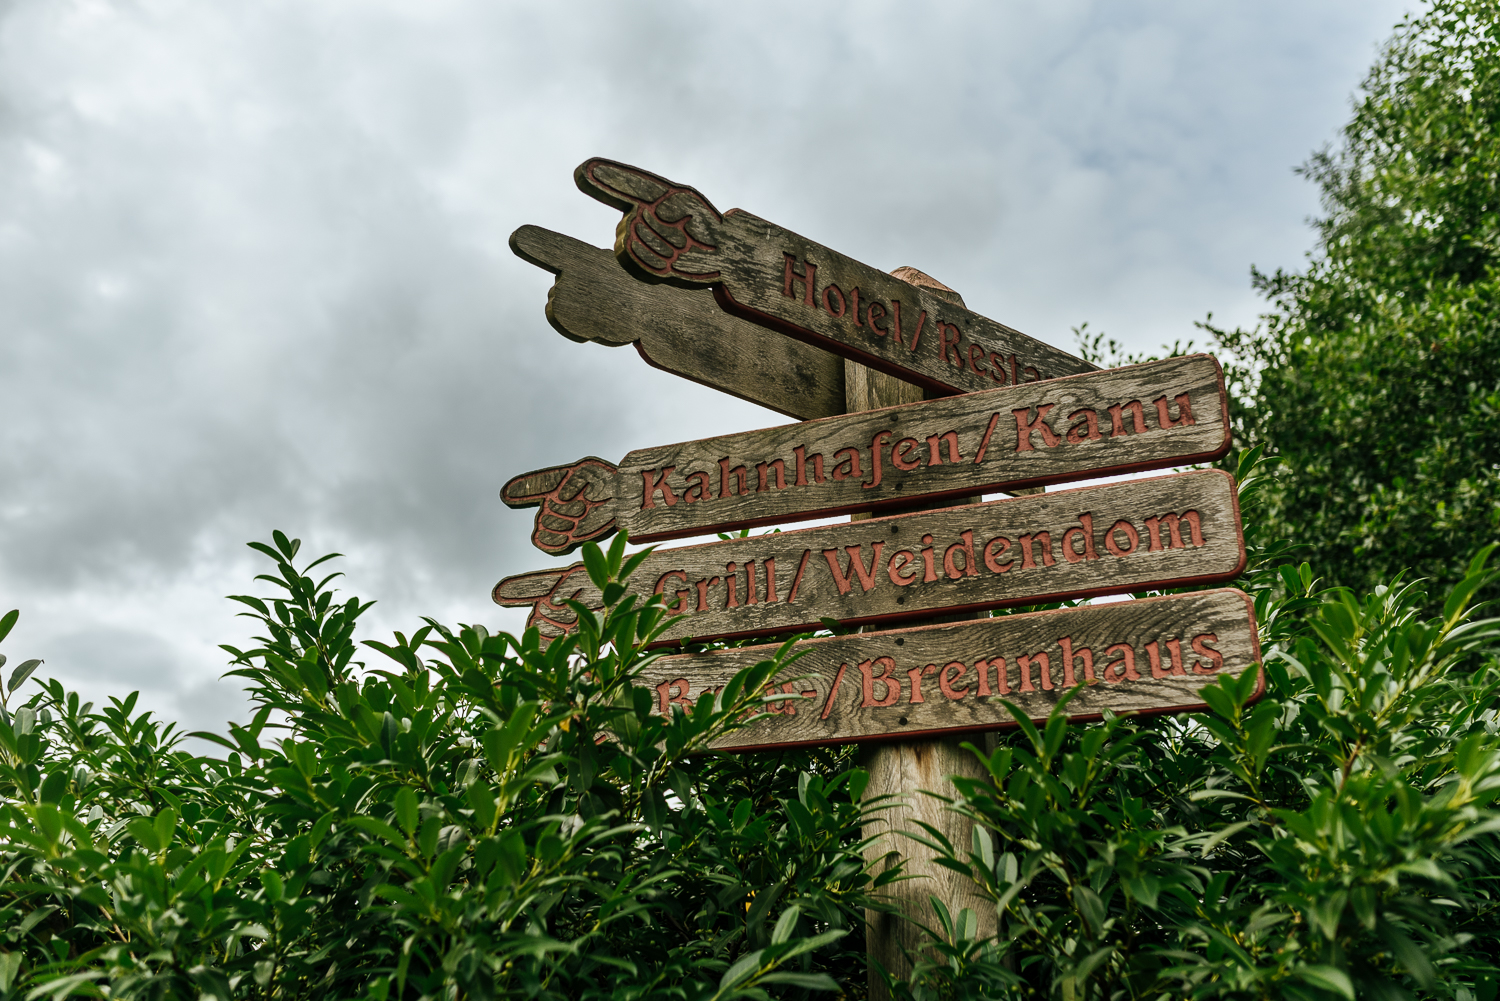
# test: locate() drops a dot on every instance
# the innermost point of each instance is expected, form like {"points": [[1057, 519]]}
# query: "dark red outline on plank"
{"points": [[918, 613], [883, 738], [968, 491]]}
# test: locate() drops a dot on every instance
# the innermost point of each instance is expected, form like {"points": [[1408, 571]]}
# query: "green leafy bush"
{"points": [[486, 819]]}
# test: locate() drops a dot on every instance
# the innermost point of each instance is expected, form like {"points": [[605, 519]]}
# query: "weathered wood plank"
{"points": [[680, 331], [672, 234], [1166, 413], [1107, 539], [1147, 656]]}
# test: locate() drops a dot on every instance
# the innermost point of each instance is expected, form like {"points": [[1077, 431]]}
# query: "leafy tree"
{"points": [[1375, 378]]}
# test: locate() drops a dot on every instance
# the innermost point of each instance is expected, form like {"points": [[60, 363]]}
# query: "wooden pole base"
{"points": [[902, 769]]}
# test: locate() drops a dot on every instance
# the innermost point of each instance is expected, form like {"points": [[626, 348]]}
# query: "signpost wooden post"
{"points": [[870, 360], [1165, 413], [680, 331], [671, 233], [1146, 656], [1177, 529]]}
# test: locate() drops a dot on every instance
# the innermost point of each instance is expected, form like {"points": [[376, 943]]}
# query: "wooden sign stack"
{"points": [[738, 303]]}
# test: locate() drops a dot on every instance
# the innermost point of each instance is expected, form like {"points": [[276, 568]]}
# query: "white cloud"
{"points": [[253, 270]]}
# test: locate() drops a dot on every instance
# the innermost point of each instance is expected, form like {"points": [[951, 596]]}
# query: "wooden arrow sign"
{"points": [[1166, 413], [1149, 656], [1129, 536], [682, 332], [672, 234]]}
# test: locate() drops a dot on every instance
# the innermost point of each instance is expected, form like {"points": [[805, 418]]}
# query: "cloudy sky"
{"points": [[254, 273]]}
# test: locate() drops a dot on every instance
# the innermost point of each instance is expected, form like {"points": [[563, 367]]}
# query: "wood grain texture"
{"points": [[1166, 413], [679, 331], [672, 234], [1108, 539], [1146, 656]]}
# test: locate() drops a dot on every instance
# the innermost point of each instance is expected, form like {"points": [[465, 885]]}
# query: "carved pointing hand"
{"points": [[574, 502], [669, 232]]}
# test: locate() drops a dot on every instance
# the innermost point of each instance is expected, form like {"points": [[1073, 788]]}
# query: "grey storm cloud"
{"points": [[254, 274]]}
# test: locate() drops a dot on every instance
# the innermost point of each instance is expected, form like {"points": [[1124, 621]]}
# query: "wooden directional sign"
{"points": [[1096, 540], [671, 233], [1151, 416], [686, 333], [1147, 656]]}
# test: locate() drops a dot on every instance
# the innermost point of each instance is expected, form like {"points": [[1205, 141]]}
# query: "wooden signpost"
{"points": [[678, 331], [1165, 413], [681, 285], [1146, 656], [1177, 529], [672, 234]]}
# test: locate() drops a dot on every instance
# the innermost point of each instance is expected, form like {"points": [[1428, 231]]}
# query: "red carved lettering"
{"points": [[1117, 418], [877, 448], [807, 277], [817, 466], [982, 668], [703, 586], [1002, 677], [848, 467], [997, 370], [764, 470], [1174, 530], [1201, 648], [1125, 660], [797, 580], [659, 487], [992, 558], [731, 582], [964, 549], [741, 479], [830, 293], [928, 561], [903, 449], [771, 580], [1044, 668], [854, 305], [877, 312], [934, 457], [948, 676], [945, 342], [682, 596], [892, 690], [1153, 651], [670, 693], [916, 674], [856, 564], [1086, 428], [699, 488], [1132, 538], [1085, 531], [900, 560], [750, 586], [976, 365], [1025, 542], [1069, 656], [1184, 413], [1174, 647], [1025, 425]]}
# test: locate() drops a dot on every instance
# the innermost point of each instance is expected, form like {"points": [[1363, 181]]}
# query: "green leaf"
{"points": [[806, 981], [8, 622], [21, 673], [1329, 978], [405, 805]]}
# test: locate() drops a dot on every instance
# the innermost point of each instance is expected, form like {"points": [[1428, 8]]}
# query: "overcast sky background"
{"points": [[254, 273]]}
